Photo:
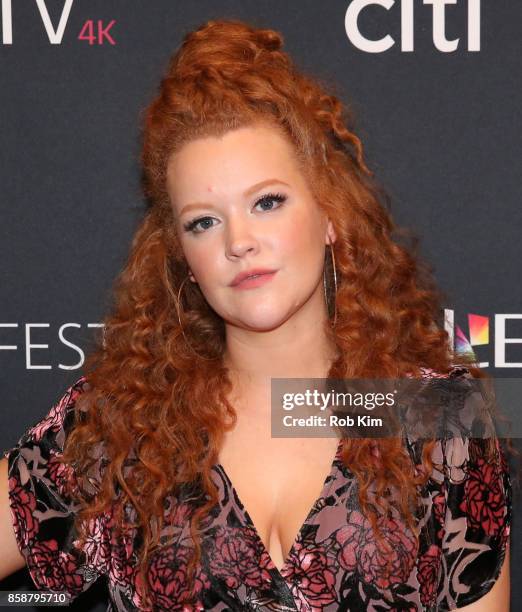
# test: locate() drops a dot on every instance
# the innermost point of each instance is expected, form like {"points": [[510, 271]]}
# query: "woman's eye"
{"points": [[269, 199], [191, 225]]}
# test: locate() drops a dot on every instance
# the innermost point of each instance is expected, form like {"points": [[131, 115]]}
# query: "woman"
{"points": [[266, 253]]}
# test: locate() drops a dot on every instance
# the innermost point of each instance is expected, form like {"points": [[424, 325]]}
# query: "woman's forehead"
{"points": [[234, 162]]}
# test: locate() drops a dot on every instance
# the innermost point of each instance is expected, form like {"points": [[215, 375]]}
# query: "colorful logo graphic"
{"points": [[479, 335]]}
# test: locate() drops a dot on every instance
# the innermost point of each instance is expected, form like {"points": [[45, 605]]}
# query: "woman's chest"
{"points": [[329, 553], [277, 481]]}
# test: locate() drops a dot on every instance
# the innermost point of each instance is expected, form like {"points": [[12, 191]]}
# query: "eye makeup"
{"points": [[191, 226]]}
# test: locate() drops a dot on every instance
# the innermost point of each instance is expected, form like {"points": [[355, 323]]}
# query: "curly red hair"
{"points": [[161, 412]]}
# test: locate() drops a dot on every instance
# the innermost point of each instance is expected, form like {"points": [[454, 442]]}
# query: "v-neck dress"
{"points": [[334, 564]]}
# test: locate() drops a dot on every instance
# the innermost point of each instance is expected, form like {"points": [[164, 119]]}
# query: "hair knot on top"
{"points": [[226, 48]]}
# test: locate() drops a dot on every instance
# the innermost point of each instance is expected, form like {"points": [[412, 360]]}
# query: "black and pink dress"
{"points": [[334, 563]]}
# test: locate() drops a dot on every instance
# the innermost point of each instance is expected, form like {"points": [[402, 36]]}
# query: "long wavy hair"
{"points": [[157, 395]]}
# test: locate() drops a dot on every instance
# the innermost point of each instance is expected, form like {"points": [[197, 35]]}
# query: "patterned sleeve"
{"points": [[43, 513], [476, 513]]}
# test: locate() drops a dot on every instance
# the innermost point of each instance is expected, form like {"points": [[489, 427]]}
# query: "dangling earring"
{"points": [[335, 285], [178, 308]]}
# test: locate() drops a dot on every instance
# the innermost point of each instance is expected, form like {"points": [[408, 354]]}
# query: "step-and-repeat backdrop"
{"points": [[434, 84]]}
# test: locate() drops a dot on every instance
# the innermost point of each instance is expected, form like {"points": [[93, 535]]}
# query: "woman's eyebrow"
{"points": [[262, 184], [248, 192]]}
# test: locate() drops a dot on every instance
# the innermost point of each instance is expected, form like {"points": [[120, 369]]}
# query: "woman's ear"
{"points": [[331, 236]]}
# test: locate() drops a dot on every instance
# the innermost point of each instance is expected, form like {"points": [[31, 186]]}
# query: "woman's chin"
{"points": [[261, 321]]}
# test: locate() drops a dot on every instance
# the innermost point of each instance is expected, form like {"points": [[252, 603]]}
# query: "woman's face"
{"points": [[241, 203]]}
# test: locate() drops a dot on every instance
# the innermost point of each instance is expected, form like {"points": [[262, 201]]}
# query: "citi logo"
{"points": [[479, 335], [407, 21], [93, 32]]}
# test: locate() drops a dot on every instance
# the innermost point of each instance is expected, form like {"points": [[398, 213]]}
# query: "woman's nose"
{"points": [[239, 238]]}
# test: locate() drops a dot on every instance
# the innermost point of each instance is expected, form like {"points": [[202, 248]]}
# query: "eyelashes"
{"points": [[191, 226]]}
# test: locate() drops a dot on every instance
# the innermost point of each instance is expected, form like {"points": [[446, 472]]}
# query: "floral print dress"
{"points": [[334, 563]]}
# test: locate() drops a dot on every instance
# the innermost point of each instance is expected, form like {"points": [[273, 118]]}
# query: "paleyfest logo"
{"points": [[34, 343], [439, 11]]}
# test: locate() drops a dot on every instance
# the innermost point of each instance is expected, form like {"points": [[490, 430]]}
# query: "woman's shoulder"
{"points": [[42, 508], [462, 420], [60, 418]]}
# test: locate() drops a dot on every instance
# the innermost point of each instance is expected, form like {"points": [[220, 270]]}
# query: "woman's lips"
{"points": [[255, 281]]}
